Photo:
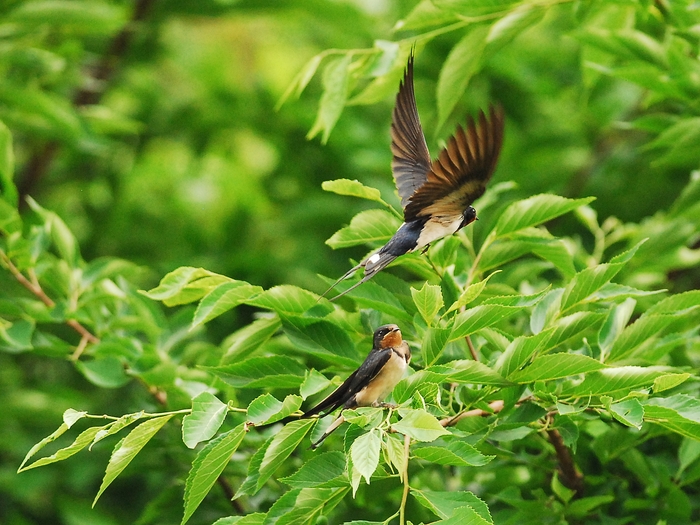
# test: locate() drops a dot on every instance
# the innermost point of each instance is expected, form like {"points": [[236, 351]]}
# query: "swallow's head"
{"points": [[468, 216], [387, 336]]}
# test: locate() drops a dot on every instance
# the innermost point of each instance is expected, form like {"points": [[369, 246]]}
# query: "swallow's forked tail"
{"points": [[373, 265]]}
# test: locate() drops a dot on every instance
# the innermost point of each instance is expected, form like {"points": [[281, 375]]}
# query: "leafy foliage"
{"points": [[555, 355]]}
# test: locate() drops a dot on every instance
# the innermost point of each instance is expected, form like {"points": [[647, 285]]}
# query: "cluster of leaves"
{"points": [[554, 374], [555, 353]]}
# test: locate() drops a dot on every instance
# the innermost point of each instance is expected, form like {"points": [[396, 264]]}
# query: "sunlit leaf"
{"points": [[420, 425], [281, 446], [208, 466], [336, 78], [207, 415], [223, 298], [367, 227], [462, 63], [428, 300], [365, 453], [127, 449], [535, 210], [266, 409]]}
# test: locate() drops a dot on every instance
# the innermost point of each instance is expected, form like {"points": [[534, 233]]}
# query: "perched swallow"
{"points": [[436, 196], [372, 382]]}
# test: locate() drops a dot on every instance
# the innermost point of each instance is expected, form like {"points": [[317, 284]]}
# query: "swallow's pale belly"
{"points": [[437, 228], [382, 385]]}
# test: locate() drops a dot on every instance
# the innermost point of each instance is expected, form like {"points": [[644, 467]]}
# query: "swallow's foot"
{"points": [[388, 405], [425, 249]]}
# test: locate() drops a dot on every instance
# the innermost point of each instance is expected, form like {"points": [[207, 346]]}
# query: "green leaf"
{"points": [[64, 240], [456, 453], [256, 372], [325, 470], [428, 300], [464, 516], [127, 449], [580, 508], [615, 381], [281, 446], [303, 506], [675, 303], [286, 300], [265, 409], [208, 414], [628, 412], [82, 441], [468, 371], [352, 188], [185, 285], [434, 341], [250, 484], [568, 328], [367, 227], [420, 425], [668, 381], [638, 333], [505, 29], [321, 338], [41, 444], [116, 426], [534, 211], [245, 341], [336, 80], [301, 80], [223, 298], [8, 191], [556, 366], [590, 280], [470, 293], [479, 317], [313, 383], [256, 518], [395, 454], [614, 324], [462, 63], [208, 466], [365, 453], [444, 504], [106, 372]]}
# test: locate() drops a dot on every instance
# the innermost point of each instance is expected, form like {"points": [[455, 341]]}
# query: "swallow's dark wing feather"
{"points": [[411, 160], [368, 370], [459, 175]]}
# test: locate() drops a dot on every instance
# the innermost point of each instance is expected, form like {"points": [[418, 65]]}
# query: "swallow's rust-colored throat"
{"points": [[392, 339]]}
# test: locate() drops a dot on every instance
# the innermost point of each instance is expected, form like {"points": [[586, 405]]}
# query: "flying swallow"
{"points": [[436, 196], [372, 382]]}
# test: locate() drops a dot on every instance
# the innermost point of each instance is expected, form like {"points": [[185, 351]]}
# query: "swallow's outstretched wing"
{"points": [[459, 175], [360, 378], [411, 160]]}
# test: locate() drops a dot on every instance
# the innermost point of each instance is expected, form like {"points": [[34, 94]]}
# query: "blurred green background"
{"points": [[151, 128]]}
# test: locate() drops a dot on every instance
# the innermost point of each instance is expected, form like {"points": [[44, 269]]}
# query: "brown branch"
{"points": [[90, 93], [495, 406], [570, 476], [36, 289], [472, 350]]}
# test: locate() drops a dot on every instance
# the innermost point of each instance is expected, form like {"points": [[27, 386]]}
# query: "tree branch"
{"points": [[495, 406], [36, 289], [570, 476]]}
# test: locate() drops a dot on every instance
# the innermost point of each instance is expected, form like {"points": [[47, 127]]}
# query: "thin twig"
{"points": [[570, 476], [36, 289], [494, 406], [406, 486], [472, 350]]}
